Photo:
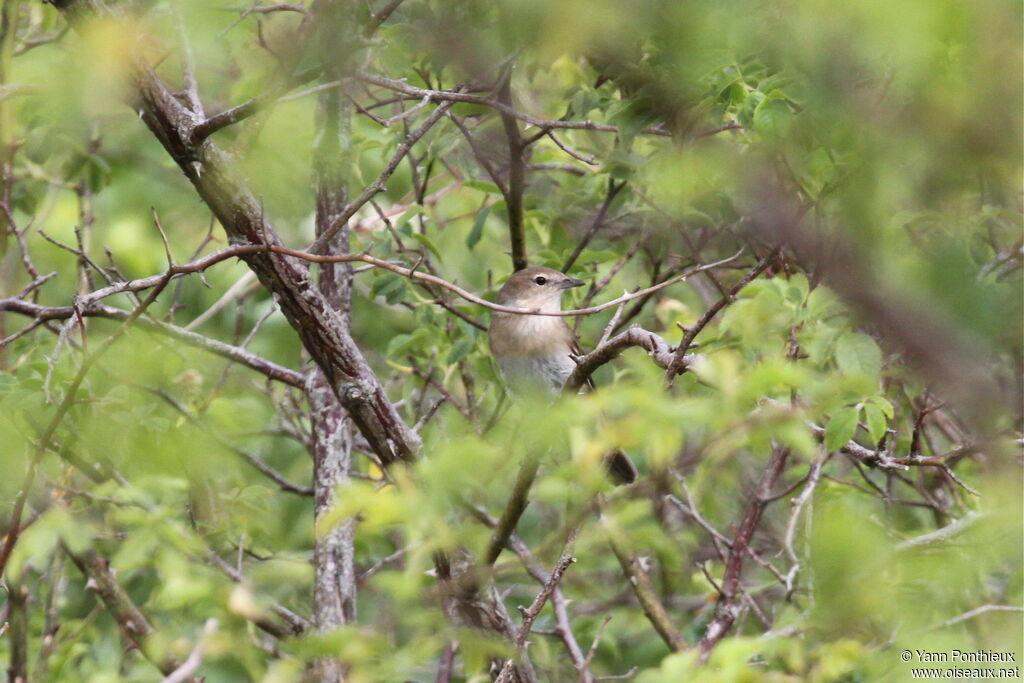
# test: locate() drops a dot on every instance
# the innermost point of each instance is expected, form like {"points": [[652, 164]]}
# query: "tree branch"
{"points": [[133, 624], [728, 607], [676, 366], [531, 613], [595, 224], [642, 587], [241, 214], [659, 350], [233, 353], [516, 175]]}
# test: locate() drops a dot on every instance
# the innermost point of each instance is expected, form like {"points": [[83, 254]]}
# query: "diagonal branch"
{"points": [[132, 622], [731, 590], [640, 583], [595, 225], [676, 366], [531, 613], [240, 213]]}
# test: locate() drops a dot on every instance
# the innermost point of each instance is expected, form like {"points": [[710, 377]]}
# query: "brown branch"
{"points": [[247, 109], [270, 9], [531, 613], [446, 663], [133, 624], [494, 103], [659, 350], [558, 602], [380, 183], [379, 17], [294, 624], [241, 214], [243, 250], [516, 175], [644, 590], [595, 224], [559, 605], [677, 365], [731, 591], [233, 353], [17, 623], [514, 509]]}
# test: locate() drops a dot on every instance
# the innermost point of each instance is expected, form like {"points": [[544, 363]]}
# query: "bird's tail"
{"points": [[620, 468]]}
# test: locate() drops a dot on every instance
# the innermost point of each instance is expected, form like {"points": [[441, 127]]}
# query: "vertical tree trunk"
{"points": [[334, 594]]}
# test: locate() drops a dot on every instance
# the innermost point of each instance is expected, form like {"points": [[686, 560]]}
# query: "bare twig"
{"points": [[944, 534], [495, 103], [642, 587], [191, 664], [380, 183], [233, 353], [977, 611], [813, 477], [533, 611], [728, 607], [514, 509], [133, 624], [678, 360], [595, 225]]}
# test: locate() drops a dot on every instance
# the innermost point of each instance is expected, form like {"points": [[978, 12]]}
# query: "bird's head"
{"points": [[540, 288]]}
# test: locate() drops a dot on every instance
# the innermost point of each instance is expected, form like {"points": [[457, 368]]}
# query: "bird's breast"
{"points": [[532, 350], [547, 373]]}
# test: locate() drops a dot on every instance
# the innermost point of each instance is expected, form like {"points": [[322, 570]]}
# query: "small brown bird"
{"points": [[534, 352]]}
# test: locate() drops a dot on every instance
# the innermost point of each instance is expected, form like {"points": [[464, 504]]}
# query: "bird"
{"points": [[534, 353]]}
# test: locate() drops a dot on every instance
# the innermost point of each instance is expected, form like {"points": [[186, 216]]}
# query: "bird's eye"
{"points": [[540, 280]]}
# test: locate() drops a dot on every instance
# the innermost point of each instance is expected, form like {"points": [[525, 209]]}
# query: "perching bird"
{"points": [[534, 352]]}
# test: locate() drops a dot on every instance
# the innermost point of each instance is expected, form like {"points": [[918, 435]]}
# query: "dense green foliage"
{"points": [[891, 317]]}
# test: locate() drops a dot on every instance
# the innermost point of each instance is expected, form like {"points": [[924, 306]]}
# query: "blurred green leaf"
{"points": [[858, 354], [840, 428], [478, 227]]}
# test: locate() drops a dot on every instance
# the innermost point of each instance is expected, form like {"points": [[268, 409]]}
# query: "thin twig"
{"points": [[679, 360]]}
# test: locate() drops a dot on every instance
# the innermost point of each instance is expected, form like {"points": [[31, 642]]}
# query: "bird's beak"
{"points": [[570, 282]]}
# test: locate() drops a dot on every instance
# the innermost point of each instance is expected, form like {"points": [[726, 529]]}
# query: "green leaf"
{"points": [[858, 354], [391, 287], [483, 186], [875, 421], [398, 342], [428, 243], [478, 227], [412, 212], [841, 428], [460, 350], [884, 405], [798, 288]]}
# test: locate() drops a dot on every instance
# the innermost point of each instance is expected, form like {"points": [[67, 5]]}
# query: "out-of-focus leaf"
{"points": [[858, 353], [840, 428], [478, 227], [875, 420]]}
